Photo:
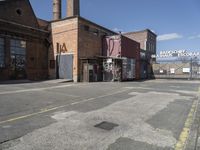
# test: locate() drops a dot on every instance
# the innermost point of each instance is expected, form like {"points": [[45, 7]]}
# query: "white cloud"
{"points": [[170, 36], [194, 37]]}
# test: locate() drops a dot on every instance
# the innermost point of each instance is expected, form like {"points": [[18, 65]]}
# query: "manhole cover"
{"points": [[106, 125]]}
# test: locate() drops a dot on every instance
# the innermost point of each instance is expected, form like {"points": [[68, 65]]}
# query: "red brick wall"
{"points": [[65, 32], [131, 49], [8, 11], [37, 65]]}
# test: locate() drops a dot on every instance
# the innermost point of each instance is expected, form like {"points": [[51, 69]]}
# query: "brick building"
{"points": [[77, 42], [147, 40], [23, 42], [69, 48]]}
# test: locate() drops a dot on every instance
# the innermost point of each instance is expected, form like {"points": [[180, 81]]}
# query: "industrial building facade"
{"points": [[69, 48], [147, 40], [77, 43], [23, 42]]}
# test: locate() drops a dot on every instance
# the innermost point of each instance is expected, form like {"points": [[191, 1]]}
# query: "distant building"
{"points": [[147, 40]]}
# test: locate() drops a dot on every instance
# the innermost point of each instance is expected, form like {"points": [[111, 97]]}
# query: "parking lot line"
{"points": [[34, 89], [45, 110], [182, 141]]}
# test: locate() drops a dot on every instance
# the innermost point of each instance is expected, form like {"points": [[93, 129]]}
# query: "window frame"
{"points": [[17, 45]]}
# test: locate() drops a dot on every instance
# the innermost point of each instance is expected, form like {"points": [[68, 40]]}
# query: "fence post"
{"points": [[191, 69]]}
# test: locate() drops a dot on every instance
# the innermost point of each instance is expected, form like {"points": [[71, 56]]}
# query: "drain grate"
{"points": [[106, 125]]}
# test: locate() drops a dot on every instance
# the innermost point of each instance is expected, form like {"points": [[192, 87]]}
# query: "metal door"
{"points": [[65, 66]]}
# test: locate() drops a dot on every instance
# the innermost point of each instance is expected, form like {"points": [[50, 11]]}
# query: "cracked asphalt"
{"points": [[54, 115]]}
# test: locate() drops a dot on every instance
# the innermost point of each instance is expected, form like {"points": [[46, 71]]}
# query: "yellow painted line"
{"points": [[180, 145], [35, 89], [30, 115], [45, 110]]}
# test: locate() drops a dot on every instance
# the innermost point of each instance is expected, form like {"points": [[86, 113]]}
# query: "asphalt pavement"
{"points": [[59, 115]]}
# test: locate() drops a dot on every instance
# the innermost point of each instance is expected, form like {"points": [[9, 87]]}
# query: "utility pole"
{"points": [[191, 69]]}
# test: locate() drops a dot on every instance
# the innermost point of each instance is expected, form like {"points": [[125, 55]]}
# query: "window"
{"points": [[18, 56], [2, 53], [86, 27], [18, 47], [151, 47]]}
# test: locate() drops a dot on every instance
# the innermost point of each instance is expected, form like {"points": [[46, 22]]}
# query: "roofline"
{"points": [[98, 25], [25, 26], [79, 17], [43, 20], [52, 21], [33, 11], [146, 30], [122, 36]]}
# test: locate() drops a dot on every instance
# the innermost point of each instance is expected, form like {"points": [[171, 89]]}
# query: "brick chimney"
{"points": [[57, 9], [73, 8]]}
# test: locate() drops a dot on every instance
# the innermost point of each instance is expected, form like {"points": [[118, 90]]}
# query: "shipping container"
{"points": [[119, 46]]}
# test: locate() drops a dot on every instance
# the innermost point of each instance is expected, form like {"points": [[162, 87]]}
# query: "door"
{"points": [[88, 73], [85, 72], [65, 66]]}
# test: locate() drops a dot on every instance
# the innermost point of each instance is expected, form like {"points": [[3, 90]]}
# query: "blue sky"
{"points": [[176, 22]]}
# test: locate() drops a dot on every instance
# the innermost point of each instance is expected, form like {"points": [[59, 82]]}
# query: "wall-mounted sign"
{"points": [[172, 70], [178, 53], [186, 70], [61, 48], [161, 71]]}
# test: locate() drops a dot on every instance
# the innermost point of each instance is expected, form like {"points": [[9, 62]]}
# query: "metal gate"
{"points": [[18, 66], [65, 66]]}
